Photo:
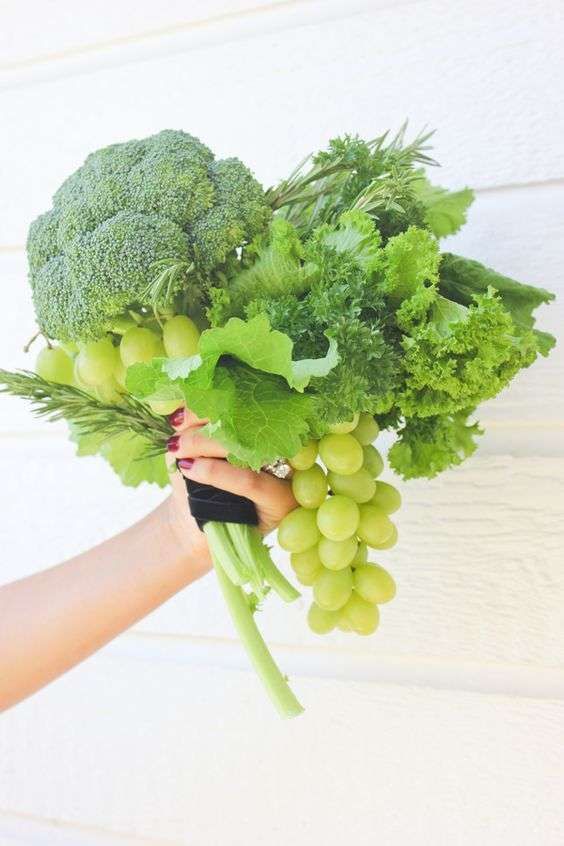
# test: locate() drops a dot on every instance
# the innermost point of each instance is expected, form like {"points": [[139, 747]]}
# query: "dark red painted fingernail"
{"points": [[173, 443], [176, 418], [185, 463]]}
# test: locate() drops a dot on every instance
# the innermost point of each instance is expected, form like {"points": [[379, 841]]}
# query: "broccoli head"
{"points": [[128, 209]]}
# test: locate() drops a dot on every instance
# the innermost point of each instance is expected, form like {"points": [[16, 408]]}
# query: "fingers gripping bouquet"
{"points": [[297, 321]]}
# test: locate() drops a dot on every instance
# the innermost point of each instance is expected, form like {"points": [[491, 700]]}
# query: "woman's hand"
{"points": [[203, 460]]}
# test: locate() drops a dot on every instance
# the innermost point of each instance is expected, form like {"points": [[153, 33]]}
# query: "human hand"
{"points": [[203, 460]]}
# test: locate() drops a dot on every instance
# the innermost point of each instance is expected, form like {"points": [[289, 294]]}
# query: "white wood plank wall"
{"points": [[448, 726]]}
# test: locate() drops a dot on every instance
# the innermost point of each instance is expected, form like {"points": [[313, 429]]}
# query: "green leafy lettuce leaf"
{"points": [[255, 343], [277, 267], [445, 211], [428, 446], [355, 234], [456, 357], [255, 415], [462, 278], [245, 382], [126, 453]]}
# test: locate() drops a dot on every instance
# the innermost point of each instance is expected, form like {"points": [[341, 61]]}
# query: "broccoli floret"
{"points": [[129, 207]]}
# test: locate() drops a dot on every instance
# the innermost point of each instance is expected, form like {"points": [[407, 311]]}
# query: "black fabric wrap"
{"points": [[209, 503]]}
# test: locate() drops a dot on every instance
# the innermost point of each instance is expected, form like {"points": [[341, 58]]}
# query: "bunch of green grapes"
{"points": [[342, 511], [99, 367]]}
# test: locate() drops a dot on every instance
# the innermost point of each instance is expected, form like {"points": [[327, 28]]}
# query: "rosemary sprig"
{"points": [[52, 401], [312, 193]]}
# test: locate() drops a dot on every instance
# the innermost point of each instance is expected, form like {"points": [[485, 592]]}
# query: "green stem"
{"points": [[263, 662], [224, 551], [270, 572]]}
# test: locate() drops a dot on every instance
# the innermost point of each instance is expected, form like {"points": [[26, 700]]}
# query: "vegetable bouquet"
{"points": [[299, 321]]}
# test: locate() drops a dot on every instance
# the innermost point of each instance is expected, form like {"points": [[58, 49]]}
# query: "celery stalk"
{"points": [[263, 662]]}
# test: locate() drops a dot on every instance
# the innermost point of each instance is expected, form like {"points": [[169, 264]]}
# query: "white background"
{"points": [[447, 727]]}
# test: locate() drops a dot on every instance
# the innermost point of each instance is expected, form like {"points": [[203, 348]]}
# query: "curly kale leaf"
{"points": [[461, 278], [428, 446]]}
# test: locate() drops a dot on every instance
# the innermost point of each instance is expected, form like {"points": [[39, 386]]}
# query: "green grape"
{"points": [[306, 565], [359, 486], [386, 497], [341, 453], [332, 588], [54, 365], [389, 542], [362, 616], [345, 426], [163, 407], [305, 458], [78, 383], [97, 361], [367, 430], [338, 518], [298, 530], [123, 324], [320, 620], [335, 555], [120, 372], [374, 526], [310, 487], [373, 461], [109, 392], [70, 348], [374, 583], [139, 344], [180, 337], [361, 555]]}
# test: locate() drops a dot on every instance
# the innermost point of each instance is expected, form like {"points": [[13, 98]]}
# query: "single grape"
{"points": [[389, 542], [139, 344], [335, 555], [386, 497], [163, 407], [338, 518], [373, 461], [298, 530], [305, 458], [367, 430], [341, 453], [306, 565], [70, 347], [345, 426], [320, 620], [180, 337], [109, 392], [310, 487], [120, 372], [362, 616], [374, 583], [374, 526], [54, 365], [359, 486], [97, 361], [122, 324], [78, 383], [332, 588], [361, 555]]}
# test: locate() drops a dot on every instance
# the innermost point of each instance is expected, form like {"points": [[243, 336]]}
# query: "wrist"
{"points": [[182, 540]]}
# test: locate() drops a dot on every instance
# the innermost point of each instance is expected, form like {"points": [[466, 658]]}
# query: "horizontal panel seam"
{"points": [[337, 663], [147, 35]]}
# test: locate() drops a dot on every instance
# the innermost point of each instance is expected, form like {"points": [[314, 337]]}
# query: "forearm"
{"points": [[51, 621]]}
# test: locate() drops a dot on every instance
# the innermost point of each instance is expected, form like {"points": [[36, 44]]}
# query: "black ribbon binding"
{"points": [[209, 503]]}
